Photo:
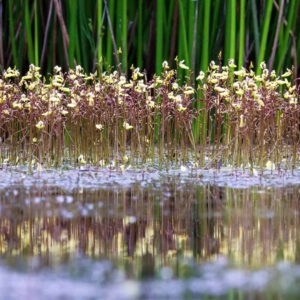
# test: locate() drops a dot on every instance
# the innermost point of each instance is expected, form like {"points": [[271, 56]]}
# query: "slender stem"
{"points": [[265, 34], [12, 32], [242, 34]]}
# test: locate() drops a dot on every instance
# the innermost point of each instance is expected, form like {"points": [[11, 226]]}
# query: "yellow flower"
{"points": [[183, 66], [48, 113], [64, 89], [260, 102], [263, 65], [280, 82], [200, 76], [73, 103], [175, 86], [188, 90], [165, 65], [219, 89], [239, 92], [258, 78], [213, 65], [16, 104], [240, 72], [40, 125], [81, 159], [57, 69], [287, 73], [181, 108], [127, 126], [231, 63], [242, 121], [225, 93]]}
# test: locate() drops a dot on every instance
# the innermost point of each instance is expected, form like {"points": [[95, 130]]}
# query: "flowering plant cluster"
{"points": [[237, 117]]}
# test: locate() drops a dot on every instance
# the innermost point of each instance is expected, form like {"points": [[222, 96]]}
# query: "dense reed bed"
{"points": [[240, 118], [82, 32]]}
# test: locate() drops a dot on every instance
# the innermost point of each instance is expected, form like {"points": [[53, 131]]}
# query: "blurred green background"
{"points": [[72, 32]]}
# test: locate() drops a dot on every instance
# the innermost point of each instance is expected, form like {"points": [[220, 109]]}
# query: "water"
{"points": [[147, 235]]}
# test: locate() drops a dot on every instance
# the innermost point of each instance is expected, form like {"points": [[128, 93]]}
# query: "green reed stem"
{"points": [[30, 49], [36, 34], [215, 27], [265, 34], [140, 34], [256, 30], [159, 37], [230, 31], [73, 33], [206, 34], [12, 32], [290, 20], [191, 24], [109, 43], [242, 34], [99, 29], [124, 35], [184, 42], [82, 34]]}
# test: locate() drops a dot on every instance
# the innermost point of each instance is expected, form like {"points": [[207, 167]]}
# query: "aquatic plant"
{"points": [[243, 119]]}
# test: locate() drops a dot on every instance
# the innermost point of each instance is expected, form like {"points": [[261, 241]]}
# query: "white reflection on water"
{"points": [[99, 280]]}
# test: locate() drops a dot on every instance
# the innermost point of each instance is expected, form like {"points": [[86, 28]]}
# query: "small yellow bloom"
{"points": [[181, 108], [188, 90], [219, 89], [280, 82], [165, 65], [72, 104], [213, 65], [263, 65], [260, 102], [64, 89], [81, 159], [200, 76], [231, 63], [242, 121], [127, 126], [240, 72], [225, 93], [183, 66], [48, 113], [175, 86], [18, 105], [34, 140], [239, 92], [287, 73], [40, 125], [99, 126], [258, 78]]}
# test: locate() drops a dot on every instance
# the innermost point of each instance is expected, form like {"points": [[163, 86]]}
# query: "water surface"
{"points": [[147, 235]]}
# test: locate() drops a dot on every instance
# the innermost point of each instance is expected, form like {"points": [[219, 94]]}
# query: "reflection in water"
{"points": [[143, 228]]}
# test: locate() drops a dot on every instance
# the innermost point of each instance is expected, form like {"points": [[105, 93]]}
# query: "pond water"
{"points": [[100, 234]]}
